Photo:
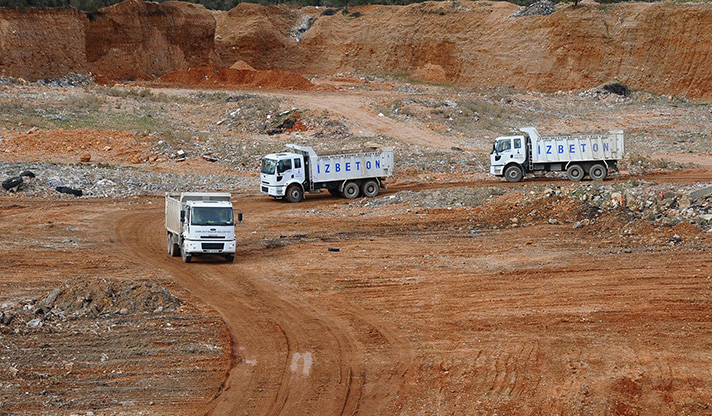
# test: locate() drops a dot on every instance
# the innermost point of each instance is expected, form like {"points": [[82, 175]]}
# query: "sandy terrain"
{"points": [[451, 293]]}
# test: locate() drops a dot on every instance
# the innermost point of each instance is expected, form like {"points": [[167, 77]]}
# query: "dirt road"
{"points": [[415, 315]]}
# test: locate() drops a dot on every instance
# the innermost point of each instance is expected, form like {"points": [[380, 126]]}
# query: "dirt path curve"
{"points": [[358, 110], [290, 356]]}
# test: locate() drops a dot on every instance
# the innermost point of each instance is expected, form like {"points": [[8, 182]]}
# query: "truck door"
{"points": [[518, 151], [284, 171], [298, 170]]}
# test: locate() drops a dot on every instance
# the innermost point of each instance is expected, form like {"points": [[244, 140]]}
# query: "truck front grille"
{"points": [[212, 246]]}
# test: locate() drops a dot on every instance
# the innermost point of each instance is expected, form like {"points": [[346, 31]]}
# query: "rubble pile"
{"points": [[106, 181], [70, 80], [540, 8], [89, 298]]}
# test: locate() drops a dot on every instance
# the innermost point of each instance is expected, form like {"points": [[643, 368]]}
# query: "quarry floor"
{"points": [[420, 311]]}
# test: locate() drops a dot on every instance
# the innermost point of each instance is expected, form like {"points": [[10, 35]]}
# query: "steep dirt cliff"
{"points": [[660, 47], [37, 44], [259, 35], [142, 40]]}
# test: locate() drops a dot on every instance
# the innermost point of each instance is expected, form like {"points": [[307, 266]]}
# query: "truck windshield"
{"points": [[268, 166], [212, 216], [502, 145]]}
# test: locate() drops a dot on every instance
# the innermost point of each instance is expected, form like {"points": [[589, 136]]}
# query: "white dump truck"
{"points": [[347, 173], [592, 155], [200, 223]]}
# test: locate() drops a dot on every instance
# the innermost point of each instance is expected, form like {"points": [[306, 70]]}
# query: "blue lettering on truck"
{"points": [[348, 166], [561, 149]]}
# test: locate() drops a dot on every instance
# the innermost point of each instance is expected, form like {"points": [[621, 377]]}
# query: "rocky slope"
{"points": [[41, 43], [143, 40], [658, 47]]}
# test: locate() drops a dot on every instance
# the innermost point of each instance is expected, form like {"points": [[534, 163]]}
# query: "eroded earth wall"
{"points": [[660, 47], [37, 44], [143, 40]]}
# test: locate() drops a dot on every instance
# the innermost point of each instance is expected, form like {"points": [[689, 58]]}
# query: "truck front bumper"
{"points": [[276, 191], [496, 170], [194, 247]]}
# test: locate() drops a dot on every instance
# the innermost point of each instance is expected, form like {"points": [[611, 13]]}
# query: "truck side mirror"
{"points": [[182, 216], [239, 217]]}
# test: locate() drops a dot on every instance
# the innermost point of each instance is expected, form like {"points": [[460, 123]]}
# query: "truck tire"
{"points": [[370, 188], [229, 258], [173, 248], [186, 257], [513, 173], [598, 172], [575, 173], [295, 193], [350, 191]]}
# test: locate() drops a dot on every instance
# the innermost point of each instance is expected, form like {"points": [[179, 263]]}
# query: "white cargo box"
{"points": [[578, 148], [348, 165]]}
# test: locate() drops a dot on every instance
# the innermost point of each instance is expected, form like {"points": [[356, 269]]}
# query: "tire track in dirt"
{"points": [[289, 357]]}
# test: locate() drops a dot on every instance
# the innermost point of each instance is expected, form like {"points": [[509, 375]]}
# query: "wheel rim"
{"points": [[351, 190], [371, 189], [576, 173], [513, 174], [597, 172]]}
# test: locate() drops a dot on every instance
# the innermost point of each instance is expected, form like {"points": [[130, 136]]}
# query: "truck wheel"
{"points": [[370, 188], [575, 173], [598, 172], [350, 191], [173, 248], [295, 193], [230, 258], [186, 257], [513, 174]]}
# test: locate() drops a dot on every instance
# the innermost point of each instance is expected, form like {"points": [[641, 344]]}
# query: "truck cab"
{"points": [[208, 228], [506, 151], [279, 170]]}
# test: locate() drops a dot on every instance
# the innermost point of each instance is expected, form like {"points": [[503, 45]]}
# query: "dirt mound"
{"points": [[39, 44], [242, 66], [649, 46], [143, 40], [84, 297], [214, 76]]}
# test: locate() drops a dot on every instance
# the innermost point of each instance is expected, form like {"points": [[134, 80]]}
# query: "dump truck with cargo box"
{"points": [[346, 173], [593, 155], [200, 223]]}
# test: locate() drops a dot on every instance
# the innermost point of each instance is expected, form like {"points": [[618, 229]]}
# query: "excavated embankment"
{"points": [[143, 40], [659, 47], [37, 43]]}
